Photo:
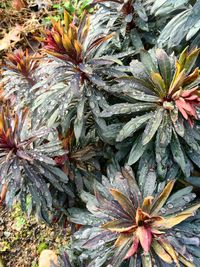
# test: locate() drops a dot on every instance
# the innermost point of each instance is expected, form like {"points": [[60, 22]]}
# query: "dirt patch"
{"points": [[22, 238]]}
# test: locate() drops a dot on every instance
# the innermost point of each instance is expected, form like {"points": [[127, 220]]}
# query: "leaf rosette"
{"points": [[126, 225], [27, 164], [161, 111]]}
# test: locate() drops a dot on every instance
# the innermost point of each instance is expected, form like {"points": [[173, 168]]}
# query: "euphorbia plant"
{"points": [[124, 224], [19, 76], [73, 44], [79, 70], [162, 110], [27, 165]]}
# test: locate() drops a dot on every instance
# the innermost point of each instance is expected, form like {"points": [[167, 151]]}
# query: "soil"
{"points": [[23, 238]]}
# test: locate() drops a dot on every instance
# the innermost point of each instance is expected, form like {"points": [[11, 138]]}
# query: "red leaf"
{"points": [[187, 93], [133, 249], [179, 106], [145, 236], [192, 97]]}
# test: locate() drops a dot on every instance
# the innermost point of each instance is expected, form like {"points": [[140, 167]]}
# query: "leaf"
{"points": [[179, 126], [163, 138], [133, 249], [186, 262], [177, 153], [146, 260], [118, 226], [166, 245], [177, 82], [106, 236], [80, 216], [132, 126], [80, 120], [170, 222], [122, 239], [145, 236], [150, 184], [164, 65], [136, 151], [111, 208], [56, 171], [120, 253], [160, 251], [162, 198], [124, 202], [13, 36], [159, 83], [191, 58], [152, 126], [147, 61], [126, 108], [145, 169]]}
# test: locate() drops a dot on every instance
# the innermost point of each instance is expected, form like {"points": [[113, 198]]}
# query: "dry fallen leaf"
{"points": [[18, 4], [11, 37]]}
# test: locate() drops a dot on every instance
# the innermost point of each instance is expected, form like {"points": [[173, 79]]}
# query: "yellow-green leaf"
{"points": [[66, 19], [161, 199], [160, 251], [159, 82], [170, 251], [124, 202], [170, 222], [191, 59], [122, 239], [119, 226], [177, 82], [66, 42], [182, 58], [186, 262], [146, 205]]}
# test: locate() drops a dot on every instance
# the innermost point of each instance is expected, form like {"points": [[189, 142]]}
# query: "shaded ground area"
{"points": [[22, 239]]}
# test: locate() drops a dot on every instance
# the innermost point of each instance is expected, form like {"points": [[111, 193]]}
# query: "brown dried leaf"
{"points": [[11, 37]]}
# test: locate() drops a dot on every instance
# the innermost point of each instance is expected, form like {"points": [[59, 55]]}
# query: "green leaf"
{"points": [[136, 151], [152, 126], [80, 120], [41, 247], [164, 65], [177, 152], [147, 61], [126, 108], [179, 126], [163, 138], [146, 168], [132, 126], [146, 260]]}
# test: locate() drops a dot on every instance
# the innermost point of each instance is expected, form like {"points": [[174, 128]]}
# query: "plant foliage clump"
{"points": [[124, 223], [163, 101], [113, 84]]}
